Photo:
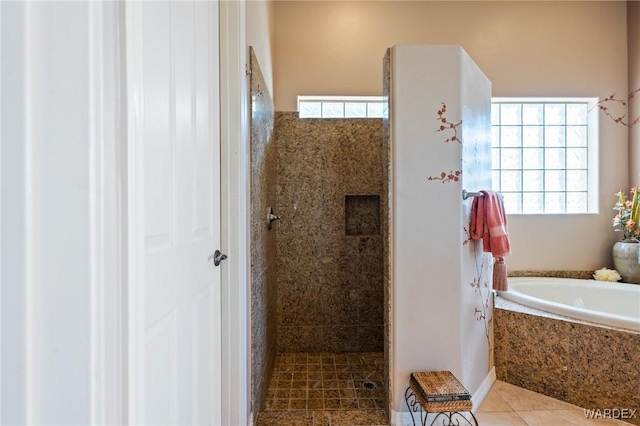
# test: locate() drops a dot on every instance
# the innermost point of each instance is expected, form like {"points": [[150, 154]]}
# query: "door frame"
{"points": [[117, 270], [235, 213], [107, 189]]}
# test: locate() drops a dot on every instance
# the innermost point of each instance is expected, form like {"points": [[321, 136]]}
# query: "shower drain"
{"points": [[369, 385]]}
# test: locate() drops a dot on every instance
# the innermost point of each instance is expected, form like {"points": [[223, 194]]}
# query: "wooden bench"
{"points": [[440, 393]]}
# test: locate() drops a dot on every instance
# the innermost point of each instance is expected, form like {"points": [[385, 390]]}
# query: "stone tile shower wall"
{"points": [[329, 247], [263, 240], [386, 164]]}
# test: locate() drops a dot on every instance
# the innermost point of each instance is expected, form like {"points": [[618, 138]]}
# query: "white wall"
{"points": [[53, 110], [433, 303], [633, 37], [58, 206], [14, 221]]}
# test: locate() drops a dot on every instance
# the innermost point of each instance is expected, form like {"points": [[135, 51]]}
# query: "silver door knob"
{"points": [[217, 257]]}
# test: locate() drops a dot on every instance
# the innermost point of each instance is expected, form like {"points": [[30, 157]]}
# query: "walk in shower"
{"points": [[318, 274]]}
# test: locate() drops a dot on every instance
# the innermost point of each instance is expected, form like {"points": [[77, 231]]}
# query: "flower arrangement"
{"points": [[605, 274], [628, 215]]}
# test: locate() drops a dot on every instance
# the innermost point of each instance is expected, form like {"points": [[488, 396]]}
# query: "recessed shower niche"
{"points": [[362, 215]]}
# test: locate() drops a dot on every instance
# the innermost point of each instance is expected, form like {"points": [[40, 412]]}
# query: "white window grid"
{"points": [[342, 106], [544, 155]]}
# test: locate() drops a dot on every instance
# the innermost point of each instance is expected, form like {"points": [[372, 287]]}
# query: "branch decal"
{"points": [[603, 106], [480, 285], [446, 125], [452, 176]]}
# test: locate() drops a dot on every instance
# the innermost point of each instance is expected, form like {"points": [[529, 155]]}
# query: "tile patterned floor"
{"points": [[326, 381], [326, 389], [505, 405]]}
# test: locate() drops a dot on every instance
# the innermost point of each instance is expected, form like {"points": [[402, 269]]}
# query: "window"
{"points": [[341, 107], [544, 154]]}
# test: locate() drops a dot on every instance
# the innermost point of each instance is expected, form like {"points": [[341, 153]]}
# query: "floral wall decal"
{"points": [[603, 106], [480, 285], [467, 236], [452, 176], [446, 125]]}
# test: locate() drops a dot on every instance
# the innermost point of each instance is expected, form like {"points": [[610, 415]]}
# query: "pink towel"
{"points": [[489, 222]]}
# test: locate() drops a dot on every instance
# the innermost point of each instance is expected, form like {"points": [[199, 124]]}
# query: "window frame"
{"points": [[592, 149], [343, 100]]}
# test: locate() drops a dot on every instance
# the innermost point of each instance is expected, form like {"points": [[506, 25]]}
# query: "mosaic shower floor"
{"points": [[326, 388]]}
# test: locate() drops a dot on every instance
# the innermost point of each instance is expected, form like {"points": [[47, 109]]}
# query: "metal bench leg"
{"points": [[415, 407], [450, 420]]}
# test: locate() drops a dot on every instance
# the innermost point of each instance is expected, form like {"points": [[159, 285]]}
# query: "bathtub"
{"points": [[577, 360], [610, 304]]}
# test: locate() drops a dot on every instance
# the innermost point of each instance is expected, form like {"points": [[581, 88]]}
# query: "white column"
{"points": [[433, 312]]}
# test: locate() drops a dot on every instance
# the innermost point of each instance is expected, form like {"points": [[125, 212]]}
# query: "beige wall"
{"points": [[633, 23], [525, 48], [260, 35]]}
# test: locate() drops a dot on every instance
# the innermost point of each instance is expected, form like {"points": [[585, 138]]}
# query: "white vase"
{"points": [[625, 261]]}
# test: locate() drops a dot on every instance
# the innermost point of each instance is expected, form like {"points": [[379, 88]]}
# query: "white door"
{"points": [[174, 195]]}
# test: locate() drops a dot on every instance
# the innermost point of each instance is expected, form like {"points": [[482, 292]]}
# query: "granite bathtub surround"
{"points": [[586, 365], [330, 281], [263, 240], [581, 275]]}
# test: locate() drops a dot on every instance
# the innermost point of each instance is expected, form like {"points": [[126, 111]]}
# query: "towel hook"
{"points": [[466, 194]]}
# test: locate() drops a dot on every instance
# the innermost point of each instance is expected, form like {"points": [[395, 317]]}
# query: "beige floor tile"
{"points": [[507, 418], [525, 400], [604, 422], [563, 418], [494, 402]]}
